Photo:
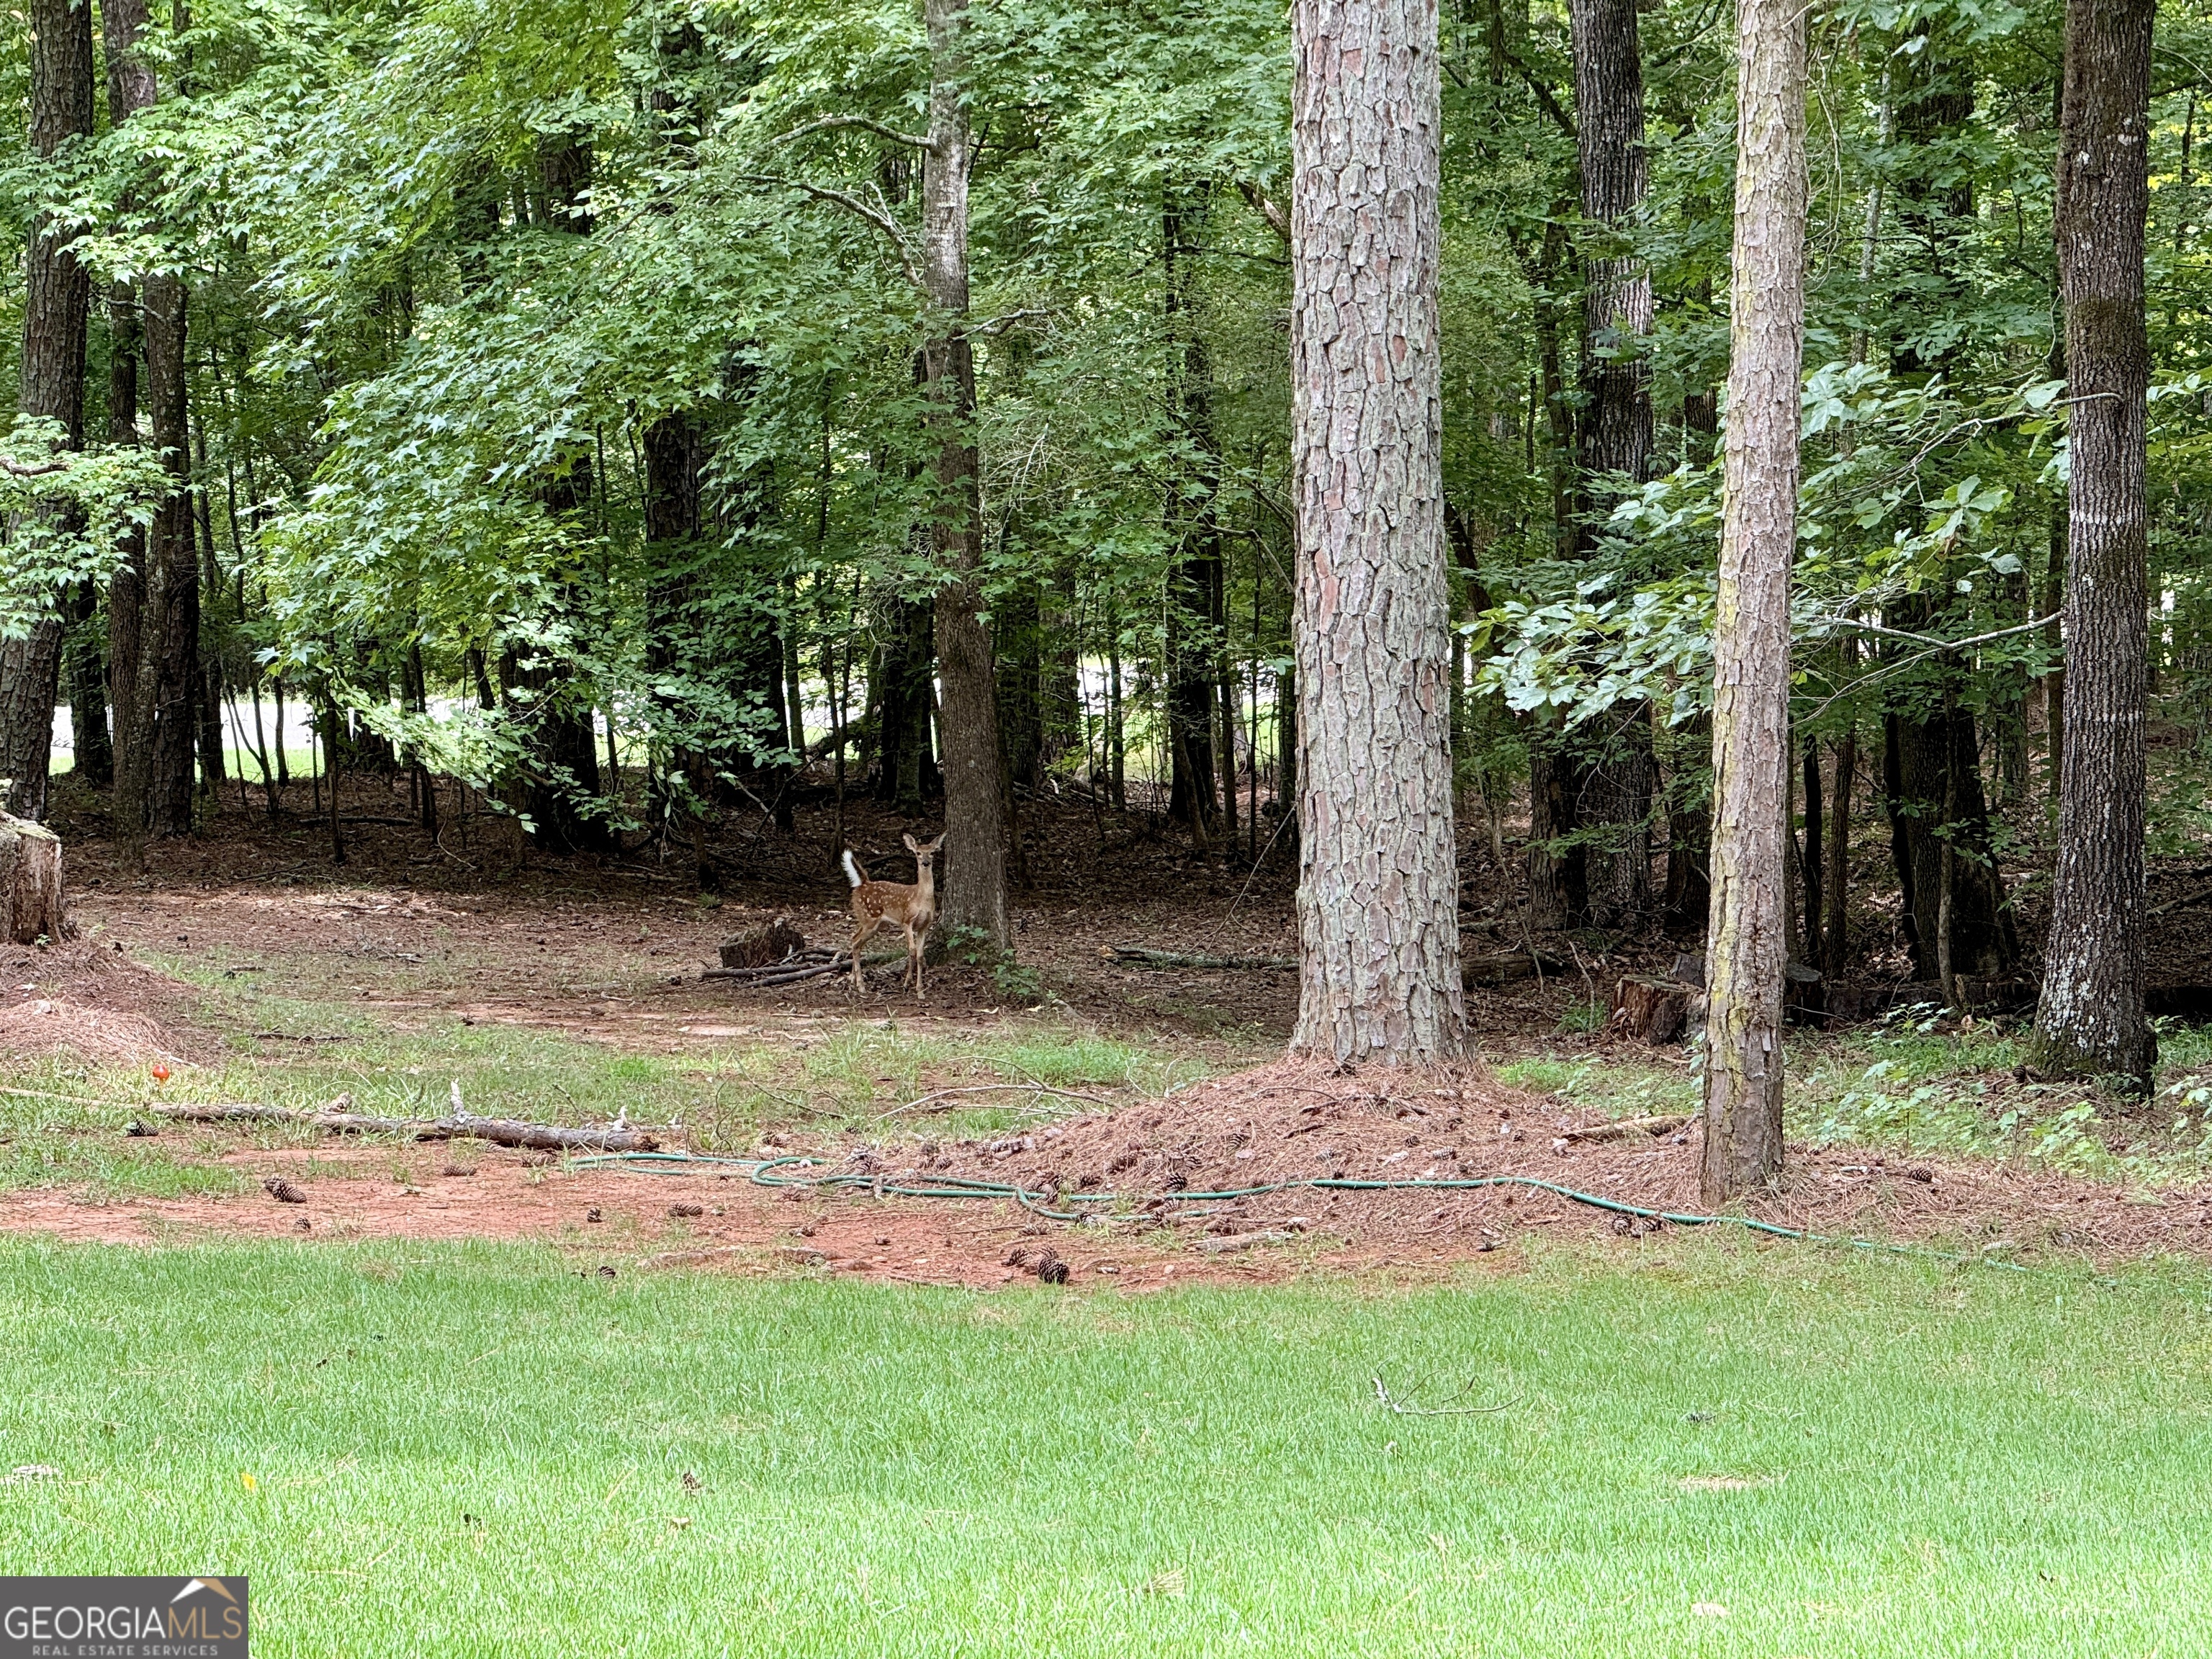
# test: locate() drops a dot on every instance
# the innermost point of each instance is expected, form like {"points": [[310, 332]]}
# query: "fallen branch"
{"points": [[462, 1126], [1628, 1129], [814, 963], [1144, 959], [2175, 904]]}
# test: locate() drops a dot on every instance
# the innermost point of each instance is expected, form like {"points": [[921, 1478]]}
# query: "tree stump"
{"points": [[1804, 995], [1656, 1010], [764, 946], [31, 882]]}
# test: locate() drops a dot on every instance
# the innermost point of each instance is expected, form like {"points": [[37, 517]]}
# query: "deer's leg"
{"points": [[914, 949], [868, 925]]}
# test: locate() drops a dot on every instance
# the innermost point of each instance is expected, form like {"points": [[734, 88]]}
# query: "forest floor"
{"points": [[245, 965]]}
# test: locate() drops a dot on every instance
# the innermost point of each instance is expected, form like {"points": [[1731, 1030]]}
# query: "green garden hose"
{"points": [[761, 1172]]}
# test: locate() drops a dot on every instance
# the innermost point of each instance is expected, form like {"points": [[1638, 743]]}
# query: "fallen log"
{"points": [[1141, 957], [765, 946], [1501, 967], [1629, 1129], [1856, 1005], [462, 1126]]}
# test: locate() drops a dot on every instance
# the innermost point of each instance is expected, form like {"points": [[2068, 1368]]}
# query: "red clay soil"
{"points": [[1284, 1122]]}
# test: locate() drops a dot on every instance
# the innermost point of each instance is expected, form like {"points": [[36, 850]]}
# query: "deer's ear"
{"points": [[912, 845]]}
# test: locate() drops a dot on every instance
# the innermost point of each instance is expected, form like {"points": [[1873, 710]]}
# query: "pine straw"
{"points": [[1291, 1121], [85, 997]]}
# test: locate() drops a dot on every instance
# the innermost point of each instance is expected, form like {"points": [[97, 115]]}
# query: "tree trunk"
{"points": [[170, 621], [2054, 682], [1940, 825], [85, 667], [130, 88], [1814, 868], [1836, 944], [563, 773], [1614, 438], [1748, 949], [972, 892], [1557, 894], [1193, 598], [2090, 1022], [56, 297], [1017, 646], [1378, 894], [1689, 847], [1616, 421]]}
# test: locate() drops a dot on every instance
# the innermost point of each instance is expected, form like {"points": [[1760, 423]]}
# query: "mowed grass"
{"points": [[475, 1450]]}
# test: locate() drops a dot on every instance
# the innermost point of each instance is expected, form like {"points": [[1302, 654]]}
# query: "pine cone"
{"points": [[283, 1191]]}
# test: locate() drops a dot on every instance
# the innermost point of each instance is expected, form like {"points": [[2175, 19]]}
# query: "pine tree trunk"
{"points": [[57, 297], [2090, 1021], [169, 646], [1378, 894], [1615, 427], [130, 89], [1748, 951], [972, 891]]}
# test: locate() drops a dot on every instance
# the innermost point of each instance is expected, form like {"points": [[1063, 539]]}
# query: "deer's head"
{"points": [[923, 851]]}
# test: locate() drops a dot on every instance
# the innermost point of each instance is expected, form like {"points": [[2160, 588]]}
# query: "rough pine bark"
{"points": [[1615, 426], [1748, 946], [1378, 893], [972, 892], [2090, 1021], [56, 297]]}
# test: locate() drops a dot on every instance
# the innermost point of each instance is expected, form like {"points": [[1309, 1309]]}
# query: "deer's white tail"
{"points": [[852, 870]]}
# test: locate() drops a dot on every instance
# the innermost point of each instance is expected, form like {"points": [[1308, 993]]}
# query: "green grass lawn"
{"points": [[475, 1450]]}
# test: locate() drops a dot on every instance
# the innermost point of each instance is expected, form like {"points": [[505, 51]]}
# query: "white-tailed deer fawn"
{"points": [[875, 902]]}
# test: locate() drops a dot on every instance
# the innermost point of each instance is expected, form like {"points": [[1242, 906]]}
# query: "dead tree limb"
{"points": [[462, 1126]]}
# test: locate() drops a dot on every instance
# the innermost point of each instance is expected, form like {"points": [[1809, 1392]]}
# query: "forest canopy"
{"points": [[559, 398]]}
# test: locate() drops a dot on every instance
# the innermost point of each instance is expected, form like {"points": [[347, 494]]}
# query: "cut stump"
{"points": [[31, 882], [1656, 1010]]}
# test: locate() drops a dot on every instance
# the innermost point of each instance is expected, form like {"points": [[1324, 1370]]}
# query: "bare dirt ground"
{"points": [[413, 933], [1278, 1124]]}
